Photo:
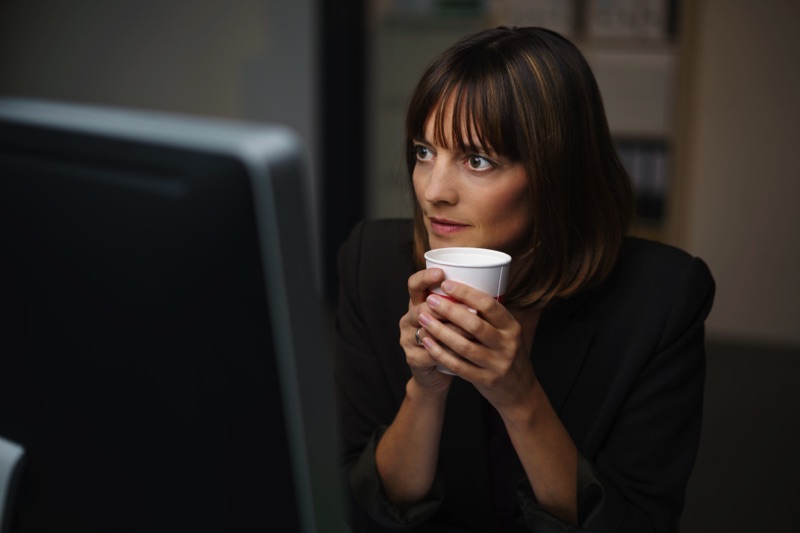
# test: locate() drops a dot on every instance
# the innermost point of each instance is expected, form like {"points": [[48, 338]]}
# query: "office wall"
{"points": [[247, 59], [741, 173], [240, 59]]}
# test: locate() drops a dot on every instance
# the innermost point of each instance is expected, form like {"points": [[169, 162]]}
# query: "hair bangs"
{"points": [[482, 119]]}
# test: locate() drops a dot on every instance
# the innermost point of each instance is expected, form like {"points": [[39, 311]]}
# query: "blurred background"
{"points": [[702, 99]]}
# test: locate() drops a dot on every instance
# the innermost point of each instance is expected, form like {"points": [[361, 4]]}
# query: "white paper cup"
{"points": [[481, 268]]}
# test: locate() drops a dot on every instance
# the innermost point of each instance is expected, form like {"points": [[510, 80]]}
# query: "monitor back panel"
{"points": [[135, 362]]}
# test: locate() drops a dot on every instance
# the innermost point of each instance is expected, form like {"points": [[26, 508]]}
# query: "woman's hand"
{"points": [[486, 348], [423, 366], [479, 340]]}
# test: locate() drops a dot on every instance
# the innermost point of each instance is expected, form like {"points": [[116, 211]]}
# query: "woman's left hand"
{"points": [[491, 352]]}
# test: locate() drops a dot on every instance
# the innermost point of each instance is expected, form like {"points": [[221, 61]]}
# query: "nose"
{"points": [[440, 183]]}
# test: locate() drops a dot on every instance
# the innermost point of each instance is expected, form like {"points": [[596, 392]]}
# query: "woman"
{"points": [[576, 403]]}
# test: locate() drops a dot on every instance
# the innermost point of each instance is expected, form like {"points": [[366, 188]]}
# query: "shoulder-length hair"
{"points": [[529, 94]]}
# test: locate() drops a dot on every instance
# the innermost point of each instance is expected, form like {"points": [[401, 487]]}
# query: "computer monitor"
{"points": [[163, 355]]}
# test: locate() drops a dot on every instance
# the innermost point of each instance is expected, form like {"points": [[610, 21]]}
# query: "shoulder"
{"points": [[385, 232], [380, 238], [650, 261], [655, 288], [652, 285], [375, 249], [645, 263]]}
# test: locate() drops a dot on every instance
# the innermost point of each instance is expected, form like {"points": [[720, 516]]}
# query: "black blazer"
{"points": [[623, 366]]}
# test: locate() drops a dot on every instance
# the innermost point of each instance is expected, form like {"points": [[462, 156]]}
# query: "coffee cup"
{"points": [[481, 268]]}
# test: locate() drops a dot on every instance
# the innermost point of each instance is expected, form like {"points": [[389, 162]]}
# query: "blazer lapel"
{"points": [[559, 348], [469, 498]]}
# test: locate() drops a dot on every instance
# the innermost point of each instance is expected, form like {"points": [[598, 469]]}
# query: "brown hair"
{"points": [[530, 95]]}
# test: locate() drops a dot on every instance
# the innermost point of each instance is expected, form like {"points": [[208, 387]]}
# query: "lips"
{"points": [[443, 226]]}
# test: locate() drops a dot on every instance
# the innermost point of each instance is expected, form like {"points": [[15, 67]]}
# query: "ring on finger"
{"points": [[417, 337]]}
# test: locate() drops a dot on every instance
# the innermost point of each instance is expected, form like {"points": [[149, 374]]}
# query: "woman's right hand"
{"points": [[423, 367], [407, 454]]}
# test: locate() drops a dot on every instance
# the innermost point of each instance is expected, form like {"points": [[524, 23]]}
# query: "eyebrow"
{"points": [[467, 147]]}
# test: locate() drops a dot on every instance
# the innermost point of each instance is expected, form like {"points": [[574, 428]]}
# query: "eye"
{"points": [[423, 152], [478, 162]]}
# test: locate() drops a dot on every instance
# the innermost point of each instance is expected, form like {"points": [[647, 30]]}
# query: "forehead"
{"points": [[451, 125]]}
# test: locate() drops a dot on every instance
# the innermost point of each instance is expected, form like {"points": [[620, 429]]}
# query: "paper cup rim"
{"points": [[494, 257]]}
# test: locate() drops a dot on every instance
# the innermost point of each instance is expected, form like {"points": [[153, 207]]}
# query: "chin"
{"points": [[438, 242]]}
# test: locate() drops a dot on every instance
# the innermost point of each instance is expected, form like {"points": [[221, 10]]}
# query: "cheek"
{"points": [[416, 183], [524, 208], [512, 215], [511, 204]]}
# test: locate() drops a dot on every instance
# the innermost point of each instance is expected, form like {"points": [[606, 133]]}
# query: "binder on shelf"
{"points": [[628, 19], [556, 15], [646, 161]]}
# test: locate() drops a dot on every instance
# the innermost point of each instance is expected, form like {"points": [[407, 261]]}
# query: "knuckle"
{"points": [[444, 305], [493, 381], [486, 307], [464, 347], [479, 327], [457, 367]]}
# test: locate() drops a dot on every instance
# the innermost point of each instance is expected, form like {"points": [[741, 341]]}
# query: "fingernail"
{"points": [[433, 300], [448, 286], [424, 319]]}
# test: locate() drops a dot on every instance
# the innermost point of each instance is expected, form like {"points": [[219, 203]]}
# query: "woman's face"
{"points": [[470, 198]]}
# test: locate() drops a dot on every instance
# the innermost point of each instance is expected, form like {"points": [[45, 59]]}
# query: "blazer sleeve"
{"points": [[370, 368], [645, 463]]}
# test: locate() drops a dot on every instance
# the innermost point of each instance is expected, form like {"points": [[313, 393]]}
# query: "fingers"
{"points": [[419, 360], [458, 358], [410, 332], [487, 306], [451, 329], [471, 325], [420, 283], [449, 344]]}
